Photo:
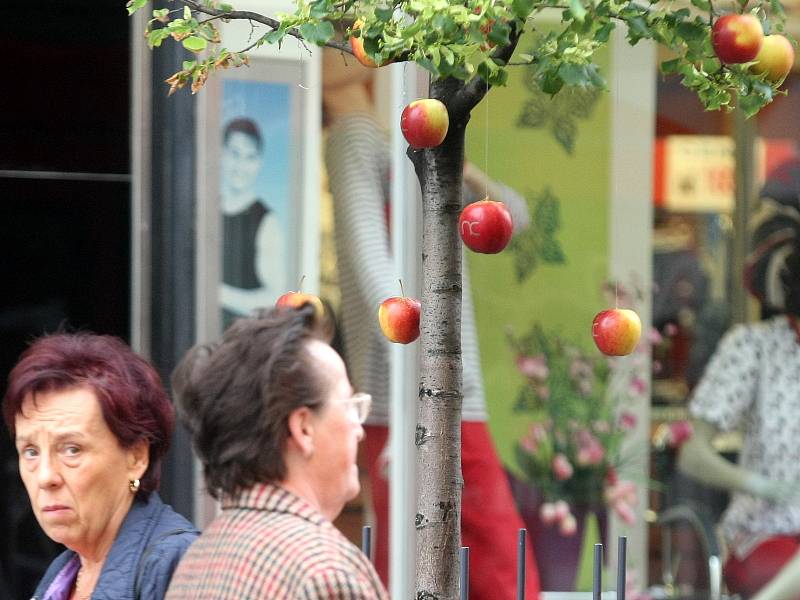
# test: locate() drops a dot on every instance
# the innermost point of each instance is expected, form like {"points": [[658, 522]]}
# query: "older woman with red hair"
{"points": [[91, 422]]}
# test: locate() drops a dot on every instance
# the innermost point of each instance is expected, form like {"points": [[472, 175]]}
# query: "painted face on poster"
{"points": [[254, 172]]}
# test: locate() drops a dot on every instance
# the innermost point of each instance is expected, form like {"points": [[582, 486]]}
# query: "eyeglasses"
{"points": [[358, 407]]}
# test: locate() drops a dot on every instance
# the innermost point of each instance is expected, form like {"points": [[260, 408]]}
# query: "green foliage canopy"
{"points": [[465, 38]]}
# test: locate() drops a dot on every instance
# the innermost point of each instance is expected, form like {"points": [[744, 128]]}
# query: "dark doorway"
{"points": [[64, 210]]}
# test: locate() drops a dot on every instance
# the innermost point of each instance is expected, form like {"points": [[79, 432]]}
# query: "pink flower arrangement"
{"points": [[572, 448]]}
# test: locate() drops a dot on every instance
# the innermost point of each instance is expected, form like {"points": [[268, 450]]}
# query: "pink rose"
{"points": [[561, 509], [627, 421], [679, 433], [547, 513], [562, 468], [533, 367], [638, 386], [590, 450], [568, 525]]}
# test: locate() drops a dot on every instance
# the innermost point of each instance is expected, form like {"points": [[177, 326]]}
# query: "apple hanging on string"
{"points": [[776, 58], [485, 226], [298, 299], [737, 38], [357, 45], [398, 317], [616, 331], [424, 123]]}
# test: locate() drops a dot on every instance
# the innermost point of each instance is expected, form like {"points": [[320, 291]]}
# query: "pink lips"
{"points": [[55, 508]]}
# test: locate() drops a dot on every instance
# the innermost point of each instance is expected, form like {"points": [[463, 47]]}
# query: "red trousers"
{"points": [[747, 576], [489, 519]]}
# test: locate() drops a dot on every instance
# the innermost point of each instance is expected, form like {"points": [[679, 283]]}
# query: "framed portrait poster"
{"points": [[256, 125]]}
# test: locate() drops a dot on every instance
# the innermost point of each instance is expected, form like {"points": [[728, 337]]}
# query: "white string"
{"points": [[486, 142]]}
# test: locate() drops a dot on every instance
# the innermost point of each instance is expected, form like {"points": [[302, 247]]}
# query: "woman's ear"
{"points": [[301, 430], [138, 459]]}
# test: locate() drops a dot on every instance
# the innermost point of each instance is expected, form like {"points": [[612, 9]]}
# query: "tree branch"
{"points": [[473, 92], [246, 15]]}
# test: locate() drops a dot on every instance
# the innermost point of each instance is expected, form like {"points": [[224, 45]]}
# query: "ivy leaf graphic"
{"points": [[558, 112], [538, 242]]}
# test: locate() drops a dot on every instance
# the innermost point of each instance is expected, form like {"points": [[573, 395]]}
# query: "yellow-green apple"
{"points": [[424, 123], [737, 38], [776, 58], [616, 331], [298, 299], [399, 319], [485, 226], [357, 45]]}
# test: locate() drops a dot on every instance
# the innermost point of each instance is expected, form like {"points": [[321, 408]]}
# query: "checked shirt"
{"points": [[270, 544]]}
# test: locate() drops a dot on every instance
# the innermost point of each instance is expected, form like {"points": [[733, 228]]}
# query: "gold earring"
{"points": [[133, 485]]}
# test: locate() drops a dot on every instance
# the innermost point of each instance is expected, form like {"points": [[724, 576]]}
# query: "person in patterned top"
{"points": [[276, 425], [752, 383]]}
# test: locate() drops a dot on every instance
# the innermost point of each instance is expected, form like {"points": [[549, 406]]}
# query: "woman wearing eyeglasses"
{"points": [[276, 425]]}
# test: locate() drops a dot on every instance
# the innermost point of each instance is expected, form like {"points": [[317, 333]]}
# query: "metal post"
{"points": [[521, 564], [366, 541], [621, 552], [464, 572], [597, 579]]}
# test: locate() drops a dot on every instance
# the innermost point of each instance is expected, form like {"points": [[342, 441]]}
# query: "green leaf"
{"points": [[551, 83], [187, 13], [317, 33], [670, 66], [194, 43], [572, 74], [522, 8], [637, 29], [275, 36], [384, 14], [499, 34], [603, 34], [134, 5], [692, 31], [156, 36], [595, 78], [577, 9], [703, 5], [319, 9], [448, 55]]}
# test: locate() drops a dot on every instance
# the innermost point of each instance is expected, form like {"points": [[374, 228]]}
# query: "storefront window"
{"points": [[698, 295]]}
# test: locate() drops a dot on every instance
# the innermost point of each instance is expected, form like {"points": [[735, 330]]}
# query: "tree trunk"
{"points": [[438, 431]]}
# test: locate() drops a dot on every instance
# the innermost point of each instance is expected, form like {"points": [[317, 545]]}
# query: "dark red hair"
{"points": [[132, 398]]}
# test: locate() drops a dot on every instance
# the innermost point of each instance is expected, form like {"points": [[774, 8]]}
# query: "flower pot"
{"points": [[557, 556]]}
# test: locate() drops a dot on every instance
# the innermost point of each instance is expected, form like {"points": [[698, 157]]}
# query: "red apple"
{"points": [[776, 58], [399, 319], [424, 123], [485, 226], [737, 38], [616, 331], [298, 299]]}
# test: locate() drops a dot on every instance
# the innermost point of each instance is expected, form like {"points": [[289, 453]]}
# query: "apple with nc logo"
{"points": [[398, 317], [737, 38], [616, 331], [485, 226], [424, 123]]}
